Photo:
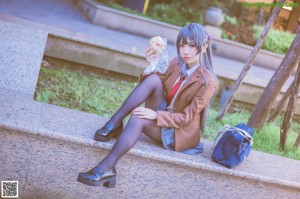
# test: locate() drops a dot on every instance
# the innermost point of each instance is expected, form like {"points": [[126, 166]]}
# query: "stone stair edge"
{"points": [[154, 156], [89, 41], [142, 149], [104, 7], [136, 55], [63, 33], [229, 76], [149, 20]]}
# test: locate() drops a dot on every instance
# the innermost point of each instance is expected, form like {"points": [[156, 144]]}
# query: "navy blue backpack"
{"points": [[233, 145]]}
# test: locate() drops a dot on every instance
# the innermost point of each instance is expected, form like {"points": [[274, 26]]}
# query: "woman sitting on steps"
{"points": [[175, 120]]}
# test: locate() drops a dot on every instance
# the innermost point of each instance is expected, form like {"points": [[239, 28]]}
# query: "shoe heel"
{"points": [[111, 183], [112, 133], [117, 133]]}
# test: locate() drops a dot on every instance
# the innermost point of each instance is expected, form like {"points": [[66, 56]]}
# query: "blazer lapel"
{"points": [[193, 78], [175, 74]]}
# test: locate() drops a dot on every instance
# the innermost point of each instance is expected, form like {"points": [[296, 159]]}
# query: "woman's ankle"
{"points": [[115, 122], [101, 168]]}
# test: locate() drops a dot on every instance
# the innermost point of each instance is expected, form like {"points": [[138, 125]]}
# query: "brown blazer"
{"points": [[190, 101]]}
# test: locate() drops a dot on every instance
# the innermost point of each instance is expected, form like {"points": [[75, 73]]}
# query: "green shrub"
{"points": [[238, 31], [167, 13], [276, 41], [232, 20], [180, 13]]}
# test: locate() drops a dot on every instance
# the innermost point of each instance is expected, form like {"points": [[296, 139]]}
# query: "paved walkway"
{"points": [[60, 16]]}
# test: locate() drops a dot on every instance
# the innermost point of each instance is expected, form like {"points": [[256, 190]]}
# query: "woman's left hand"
{"points": [[145, 113]]}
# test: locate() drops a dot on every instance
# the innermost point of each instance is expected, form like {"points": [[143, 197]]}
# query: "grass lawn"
{"points": [[102, 95], [84, 91]]}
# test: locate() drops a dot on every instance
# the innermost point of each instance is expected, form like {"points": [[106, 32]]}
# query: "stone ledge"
{"points": [[91, 52], [66, 35], [119, 60], [102, 15], [48, 168], [72, 126], [21, 53]]}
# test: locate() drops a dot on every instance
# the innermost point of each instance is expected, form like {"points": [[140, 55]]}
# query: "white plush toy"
{"points": [[159, 63], [157, 44]]}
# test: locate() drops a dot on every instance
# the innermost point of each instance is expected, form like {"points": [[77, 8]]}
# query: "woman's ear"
{"points": [[204, 48]]}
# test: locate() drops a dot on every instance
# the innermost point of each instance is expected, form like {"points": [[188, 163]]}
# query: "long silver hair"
{"points": [[197, 35]]}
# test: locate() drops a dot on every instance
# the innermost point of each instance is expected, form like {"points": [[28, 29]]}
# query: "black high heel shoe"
{"points": [[105, 133], [94, 178]]}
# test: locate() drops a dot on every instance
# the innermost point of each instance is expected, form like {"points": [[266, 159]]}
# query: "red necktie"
{"points": [[174, 89]]}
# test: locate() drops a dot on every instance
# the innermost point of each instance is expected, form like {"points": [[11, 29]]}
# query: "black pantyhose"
{"points": [[149, 91]]}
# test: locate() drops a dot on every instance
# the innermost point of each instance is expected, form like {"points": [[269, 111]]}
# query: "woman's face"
{"points": [[188, 52]]}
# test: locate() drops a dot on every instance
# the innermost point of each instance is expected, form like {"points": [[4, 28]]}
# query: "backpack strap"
{"points": [[244, 133], [220, 134], [226, 128]]}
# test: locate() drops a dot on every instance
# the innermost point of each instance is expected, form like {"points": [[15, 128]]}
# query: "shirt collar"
{"points": [[190, 71]]}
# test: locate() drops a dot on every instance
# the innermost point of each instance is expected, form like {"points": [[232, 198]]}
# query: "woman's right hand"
{"points": [[150, 54], [145, 113]]}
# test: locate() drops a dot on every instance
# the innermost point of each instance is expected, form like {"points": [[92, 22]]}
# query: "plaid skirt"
{"points": [[168, 136]]}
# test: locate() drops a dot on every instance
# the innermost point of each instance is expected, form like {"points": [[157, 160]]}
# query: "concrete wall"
{"points": [[122, 21], [95, 56], [48, 168], [44, 147], [21, 52], [241, 52], [133, 65]]}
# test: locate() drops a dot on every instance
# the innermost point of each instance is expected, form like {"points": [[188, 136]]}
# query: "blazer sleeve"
{"points": [[176, 120]]}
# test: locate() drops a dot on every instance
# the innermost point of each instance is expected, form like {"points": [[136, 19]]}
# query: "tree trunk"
{"points": [[282, 103], [249, 62], [297, 143], [286, 123], [263, 107]]}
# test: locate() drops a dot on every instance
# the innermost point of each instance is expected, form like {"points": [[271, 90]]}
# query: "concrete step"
{"points": [[114, 55], [114, 19], [44, 147], [64, 14], [21, 53]]}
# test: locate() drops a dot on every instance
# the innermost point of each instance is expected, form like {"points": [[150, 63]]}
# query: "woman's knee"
{"points": [[147, 126], [138, 121], [153, 79]]}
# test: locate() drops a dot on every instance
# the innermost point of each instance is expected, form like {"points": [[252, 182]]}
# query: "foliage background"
{"points": [[241, 23]]}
